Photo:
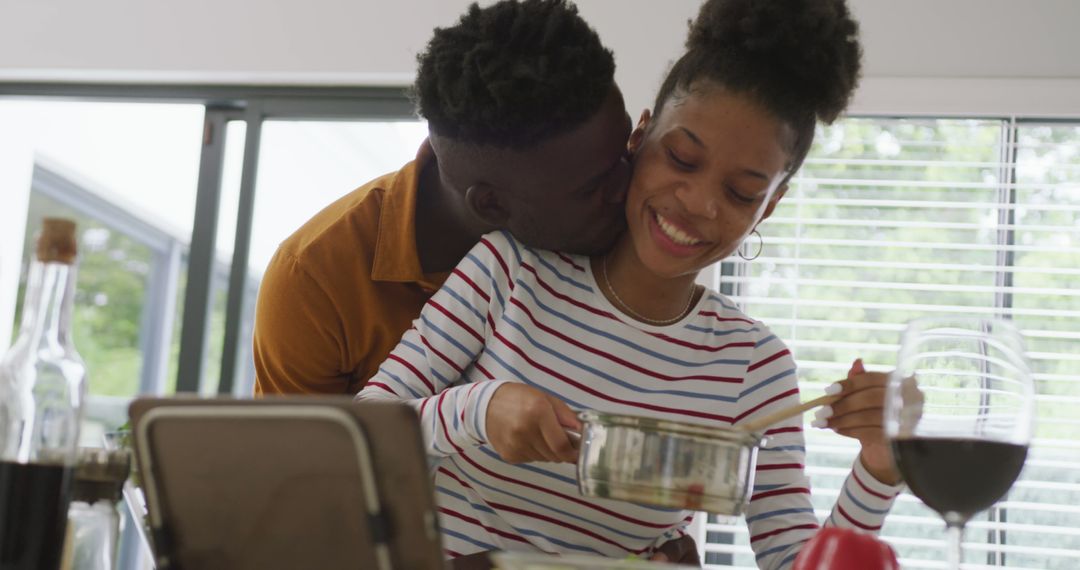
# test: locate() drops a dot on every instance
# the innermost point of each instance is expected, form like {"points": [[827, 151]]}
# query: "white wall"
{"points": [[1031, 43]]}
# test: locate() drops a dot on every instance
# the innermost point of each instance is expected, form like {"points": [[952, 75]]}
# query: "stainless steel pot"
{"points": [[666, 463]]}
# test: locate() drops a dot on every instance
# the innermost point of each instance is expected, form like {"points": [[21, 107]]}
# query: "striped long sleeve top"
{"points": [[509, 313]]}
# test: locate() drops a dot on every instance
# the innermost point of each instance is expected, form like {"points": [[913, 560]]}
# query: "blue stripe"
{"points": [[622, 341], [529, 467], [862, 506], [416, 348], [789, 559], [468, 305], [785, 448], [460, 536], [446, 336], [765, 341], [773, 550], [480, 393], [494, 287], [525, 380], [780, 512], [546, 507], [523, 531], [758, 488], [714, 332], [767, 381], [397, 379], [601, 374], [724, 303], [558, 274]]}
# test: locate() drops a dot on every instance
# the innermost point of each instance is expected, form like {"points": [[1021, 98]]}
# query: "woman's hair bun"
{"points": [[807, 48]]}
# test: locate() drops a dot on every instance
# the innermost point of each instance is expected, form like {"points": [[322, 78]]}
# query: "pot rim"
{"points": [[670, 427]]}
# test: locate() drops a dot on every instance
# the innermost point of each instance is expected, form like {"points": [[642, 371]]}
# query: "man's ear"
{"points": [[777, 195], [483, 201], [638, 135]]}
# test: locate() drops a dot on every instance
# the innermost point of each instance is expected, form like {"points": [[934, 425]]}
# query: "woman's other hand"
{"points": [[859, 414]]}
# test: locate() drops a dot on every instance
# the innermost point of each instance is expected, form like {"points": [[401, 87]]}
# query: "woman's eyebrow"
{"points": [[697, 140]]}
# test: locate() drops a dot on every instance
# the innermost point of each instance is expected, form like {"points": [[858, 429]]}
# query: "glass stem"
{"points": [[956, 545]]}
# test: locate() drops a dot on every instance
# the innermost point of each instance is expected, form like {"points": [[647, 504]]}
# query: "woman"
{"points": [[519, 339]]}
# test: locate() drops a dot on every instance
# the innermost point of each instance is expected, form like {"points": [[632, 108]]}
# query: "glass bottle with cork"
{"points": [[42, 388]]}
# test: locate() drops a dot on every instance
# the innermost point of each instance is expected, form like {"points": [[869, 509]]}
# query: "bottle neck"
{"points": [[47, 306]]}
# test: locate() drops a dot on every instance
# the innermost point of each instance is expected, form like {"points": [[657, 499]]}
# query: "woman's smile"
{"points": [[673, 236]]}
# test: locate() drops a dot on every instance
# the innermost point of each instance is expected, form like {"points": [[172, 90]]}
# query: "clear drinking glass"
{"points": [[959, 411]]}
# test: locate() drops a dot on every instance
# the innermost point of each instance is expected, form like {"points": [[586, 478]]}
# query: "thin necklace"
{"points": [[635, 314]]}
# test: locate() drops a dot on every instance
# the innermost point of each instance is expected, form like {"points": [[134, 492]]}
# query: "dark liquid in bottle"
{"points": [[962, 476], [33, 515]]}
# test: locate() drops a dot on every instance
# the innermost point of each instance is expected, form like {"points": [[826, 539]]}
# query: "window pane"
{"points": [[894, 219], [127, 173]]}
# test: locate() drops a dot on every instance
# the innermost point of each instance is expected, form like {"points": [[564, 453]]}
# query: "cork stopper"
{"points": [[56, 243]]}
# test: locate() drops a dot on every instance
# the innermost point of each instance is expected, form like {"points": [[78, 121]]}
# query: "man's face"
{"points": [[567, 194]]}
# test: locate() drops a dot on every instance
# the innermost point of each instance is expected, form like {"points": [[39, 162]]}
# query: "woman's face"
{"points": [[706, 171]]}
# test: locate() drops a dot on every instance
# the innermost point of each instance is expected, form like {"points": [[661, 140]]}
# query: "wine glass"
{"points": [[959, 411]]}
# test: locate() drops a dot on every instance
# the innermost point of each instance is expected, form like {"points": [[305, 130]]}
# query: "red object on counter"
{"points": [[845, 549]]}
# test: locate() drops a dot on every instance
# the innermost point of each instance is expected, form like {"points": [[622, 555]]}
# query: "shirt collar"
{"points": [[396, 258]]}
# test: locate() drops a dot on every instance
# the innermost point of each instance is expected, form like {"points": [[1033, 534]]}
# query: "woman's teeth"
{"points": [[674, 233]]}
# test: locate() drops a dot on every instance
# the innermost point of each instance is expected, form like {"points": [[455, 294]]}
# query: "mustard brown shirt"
{"points": [[340, 291]]}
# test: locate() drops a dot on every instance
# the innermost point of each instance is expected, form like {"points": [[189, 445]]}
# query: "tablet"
{"points": [[285, 482]]}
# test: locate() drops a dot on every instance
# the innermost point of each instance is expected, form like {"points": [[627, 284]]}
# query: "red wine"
{"points": [[962, 476], [33, 515]]}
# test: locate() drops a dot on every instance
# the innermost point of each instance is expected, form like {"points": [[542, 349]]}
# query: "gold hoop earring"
{"points": [[761, 246]]}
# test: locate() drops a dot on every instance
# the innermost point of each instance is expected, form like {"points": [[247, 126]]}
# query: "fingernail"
{"points": [[819, 423], [834, 389], [823, 413]]}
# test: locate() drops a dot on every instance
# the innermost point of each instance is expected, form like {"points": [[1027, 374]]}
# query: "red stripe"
{"points": [[780, 492], [702, 347], [565, 298], [383, 386], [525, 484], [614, 358], [499, 258], [867, 489], [855, 522], [451, 553], [483, 294], [764, 535], [439, 353], [484, 371], [467, 396], [564, 524], [412, 369], [423, 405], [598, 394], [725, 319], [442, 422], [781, 396], [476, 522], [789, 429], [768, 360], [456, 320], [567, 259], [779, 466]]}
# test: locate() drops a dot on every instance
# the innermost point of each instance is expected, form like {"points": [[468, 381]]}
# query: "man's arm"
{"points": [[297, 344]]}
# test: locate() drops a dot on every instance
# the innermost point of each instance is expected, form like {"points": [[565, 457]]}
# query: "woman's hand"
{"points": [[525, 424], [859, 414]]}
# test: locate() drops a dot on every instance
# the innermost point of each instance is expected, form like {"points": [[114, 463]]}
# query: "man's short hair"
{"points": [[513, 74]]}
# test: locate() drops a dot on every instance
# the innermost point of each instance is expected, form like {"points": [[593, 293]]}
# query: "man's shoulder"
{"points": [[349, 222]]}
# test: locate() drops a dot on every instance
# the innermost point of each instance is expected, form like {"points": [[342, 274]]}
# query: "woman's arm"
{"points": [[428, 367], [780, 515]]}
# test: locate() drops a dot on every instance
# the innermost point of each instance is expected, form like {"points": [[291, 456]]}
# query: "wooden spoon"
{"points": [[763, 422]]}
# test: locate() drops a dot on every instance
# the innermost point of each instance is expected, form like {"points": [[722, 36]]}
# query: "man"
{"points": [[527, 132]]}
